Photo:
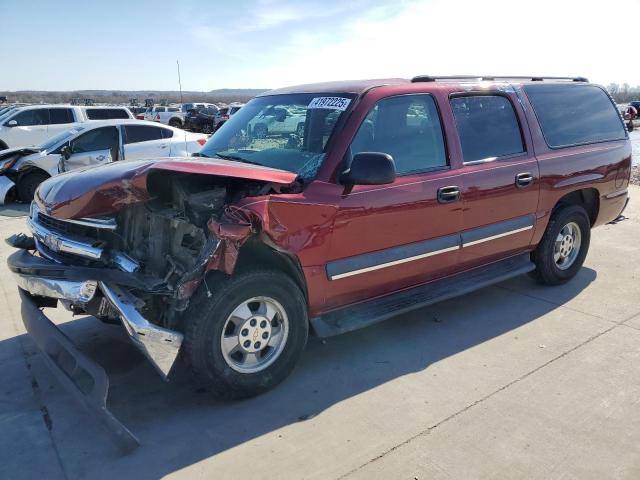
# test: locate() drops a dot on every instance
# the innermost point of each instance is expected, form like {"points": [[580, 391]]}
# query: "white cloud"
{"points": [[496, 37]]}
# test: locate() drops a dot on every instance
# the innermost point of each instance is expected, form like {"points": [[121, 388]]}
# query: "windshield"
{"points": [[6, 113], [61, 137], [289, 132]]}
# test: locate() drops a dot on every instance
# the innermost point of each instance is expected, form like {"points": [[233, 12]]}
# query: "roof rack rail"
{"points": [[434, 78]]}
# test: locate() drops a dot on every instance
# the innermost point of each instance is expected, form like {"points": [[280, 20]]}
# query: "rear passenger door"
{"points": [[500, 176], [146, 141], [60, 119]]}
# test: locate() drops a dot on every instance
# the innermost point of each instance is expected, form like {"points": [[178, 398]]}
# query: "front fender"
{"points": [[5, 187]]}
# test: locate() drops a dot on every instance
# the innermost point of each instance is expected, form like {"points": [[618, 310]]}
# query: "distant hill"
{"points": [[222, 95]]}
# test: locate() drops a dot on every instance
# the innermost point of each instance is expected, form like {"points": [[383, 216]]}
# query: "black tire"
{"points": [[3, 146], [27, 185], [205, 319], [260, 130], [174, 122], [547, 271], [630, 126]]}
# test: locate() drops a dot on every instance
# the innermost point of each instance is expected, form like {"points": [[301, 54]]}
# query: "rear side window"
{"points": [[575, 114], [60, 115], [407, 127], [106, 113], [27, 118], [166, 133], [143, 133], [488, 127]]}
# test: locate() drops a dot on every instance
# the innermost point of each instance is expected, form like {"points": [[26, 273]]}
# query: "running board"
{"points": [[373, 311]]}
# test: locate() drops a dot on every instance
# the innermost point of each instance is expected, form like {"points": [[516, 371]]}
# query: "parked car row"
{"points": [[33, 124], [86, 144]]}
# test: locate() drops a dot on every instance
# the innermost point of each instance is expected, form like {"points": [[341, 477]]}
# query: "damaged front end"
{"points": [[139, 263]]}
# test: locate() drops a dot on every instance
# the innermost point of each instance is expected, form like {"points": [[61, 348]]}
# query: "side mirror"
{"points": [[370, 168], [66, 152], [11, 123]]}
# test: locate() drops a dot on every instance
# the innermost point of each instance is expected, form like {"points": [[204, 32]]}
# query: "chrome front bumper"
{"points": [[160, 345]]}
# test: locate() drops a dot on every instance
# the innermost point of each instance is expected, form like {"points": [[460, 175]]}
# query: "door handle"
{"points": [[100, 158], [448, 194], [524, 179], [164, 146]]}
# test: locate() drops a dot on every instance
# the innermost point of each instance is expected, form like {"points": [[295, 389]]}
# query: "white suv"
{"points": [[32, 125]]}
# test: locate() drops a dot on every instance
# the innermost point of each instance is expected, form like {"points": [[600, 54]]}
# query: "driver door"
{"points": [[390, 237], [30, 128], [95, 147]]}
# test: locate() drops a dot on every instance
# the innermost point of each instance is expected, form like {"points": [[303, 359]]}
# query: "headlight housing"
{"points": [[7, 163]]}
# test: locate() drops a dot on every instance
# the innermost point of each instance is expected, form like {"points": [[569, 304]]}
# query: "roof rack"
{"points": [[434, 78]]}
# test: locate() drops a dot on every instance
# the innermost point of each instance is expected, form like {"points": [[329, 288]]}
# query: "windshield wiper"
{"points": [[236, 158]]}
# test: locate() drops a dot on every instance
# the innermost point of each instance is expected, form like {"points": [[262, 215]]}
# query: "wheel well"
{"points": [[254, 254], [3, 145], [30, 170], [588, 198]]}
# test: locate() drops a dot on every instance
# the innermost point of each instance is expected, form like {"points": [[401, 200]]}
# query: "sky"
{"points": [[134, 45]]}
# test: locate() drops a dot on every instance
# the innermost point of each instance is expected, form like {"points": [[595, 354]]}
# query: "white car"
{"points": [[32, 125], [88, 144]]}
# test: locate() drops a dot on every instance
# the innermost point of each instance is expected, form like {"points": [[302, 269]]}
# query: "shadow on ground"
{"points": [[14, 209], [179, 426]]}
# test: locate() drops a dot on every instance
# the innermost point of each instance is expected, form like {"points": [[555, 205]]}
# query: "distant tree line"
{"points": [[123, 98], [623, 93]]}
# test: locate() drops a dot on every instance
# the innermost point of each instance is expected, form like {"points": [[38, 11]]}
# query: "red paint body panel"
{"points": [[105, 190], [328, 222]]}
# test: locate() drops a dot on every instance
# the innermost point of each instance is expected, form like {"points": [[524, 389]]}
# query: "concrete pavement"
{"points": [[513, 381]]}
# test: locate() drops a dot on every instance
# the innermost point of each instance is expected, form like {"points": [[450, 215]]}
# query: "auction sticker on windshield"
{"points": [[332, 103]]}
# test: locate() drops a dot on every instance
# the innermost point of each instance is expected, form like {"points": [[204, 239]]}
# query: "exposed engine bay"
{"points": [[170, 240]]}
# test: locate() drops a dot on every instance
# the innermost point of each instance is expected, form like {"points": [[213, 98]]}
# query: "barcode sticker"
{"points": [[331, 103]]}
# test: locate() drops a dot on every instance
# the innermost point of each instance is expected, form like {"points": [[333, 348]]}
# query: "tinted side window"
{"points": [[166, 133], [407, 127], [60, 115], [142, 133], [39, 116], [574, 114], [116, 113], [97, 139], [488, 127]]}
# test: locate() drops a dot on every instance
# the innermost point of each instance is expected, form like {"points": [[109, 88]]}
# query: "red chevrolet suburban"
{"points": [[321, 208]]}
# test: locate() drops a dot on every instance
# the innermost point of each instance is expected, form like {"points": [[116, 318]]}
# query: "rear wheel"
{"points": [[248, 335], [563, 247], [28, 184], [174, 122]]}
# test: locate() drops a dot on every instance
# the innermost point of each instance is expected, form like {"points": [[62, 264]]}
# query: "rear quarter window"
{"points": [[575, 114], [106, 113]]}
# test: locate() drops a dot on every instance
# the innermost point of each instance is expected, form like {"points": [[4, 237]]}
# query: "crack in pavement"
{"points": [[490, 395]]}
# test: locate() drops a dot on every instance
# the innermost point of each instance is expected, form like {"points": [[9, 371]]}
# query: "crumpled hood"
{"points": [[21, 151], [106, 189]]}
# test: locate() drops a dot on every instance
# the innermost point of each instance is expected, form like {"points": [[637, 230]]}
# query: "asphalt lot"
{"points": [[513, 381]]}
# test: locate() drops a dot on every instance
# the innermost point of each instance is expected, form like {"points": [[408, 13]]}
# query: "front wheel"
{"points": [[248, 335], [564, 246], [28, 184]]}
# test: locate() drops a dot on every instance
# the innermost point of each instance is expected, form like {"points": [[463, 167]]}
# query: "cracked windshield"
{"points": [[289, 132]]}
